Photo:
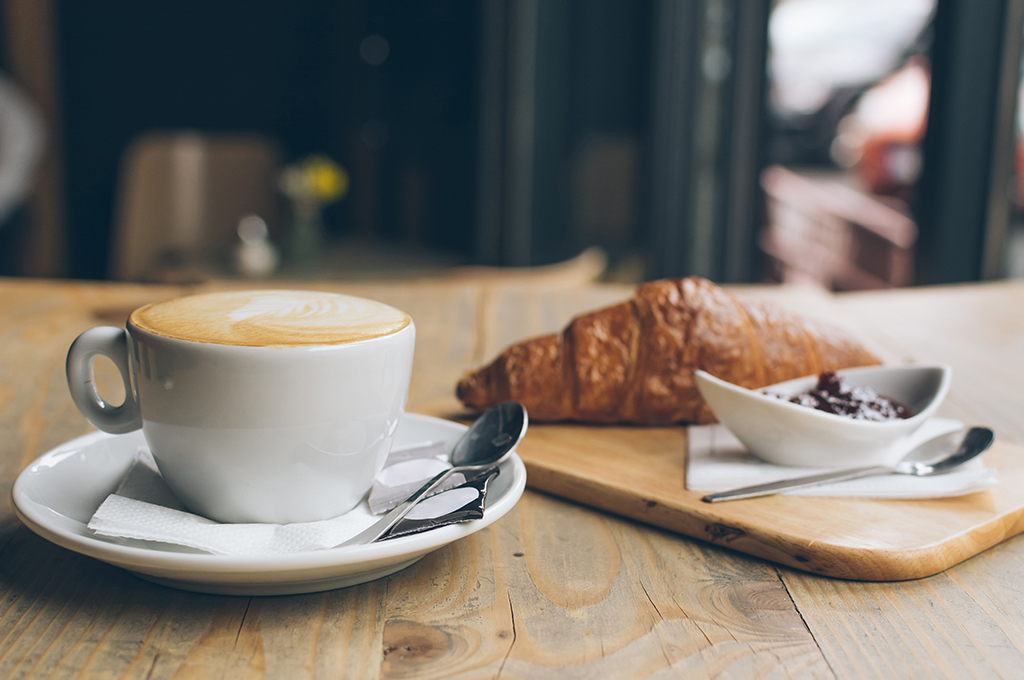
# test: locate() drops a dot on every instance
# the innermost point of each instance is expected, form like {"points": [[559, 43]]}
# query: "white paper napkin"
{"points": [[717, 461], [144, 508]]}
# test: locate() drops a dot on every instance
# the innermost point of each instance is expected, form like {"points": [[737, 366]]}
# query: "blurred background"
{"points": [[854, 144]]}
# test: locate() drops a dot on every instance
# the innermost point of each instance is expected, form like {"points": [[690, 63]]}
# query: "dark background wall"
{"points": [[289, 70]]}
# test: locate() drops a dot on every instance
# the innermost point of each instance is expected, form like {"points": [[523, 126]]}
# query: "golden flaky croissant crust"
{"points": [[634, 362]]}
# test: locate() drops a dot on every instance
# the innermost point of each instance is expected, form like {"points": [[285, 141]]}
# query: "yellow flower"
{"points": [[316, 177], [327, 180]]}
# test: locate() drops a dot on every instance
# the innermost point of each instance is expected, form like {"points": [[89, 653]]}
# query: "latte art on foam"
{"points": [[270, 318]]}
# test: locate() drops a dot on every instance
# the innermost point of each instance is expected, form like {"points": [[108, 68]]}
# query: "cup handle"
{"points": [[112, 343]]}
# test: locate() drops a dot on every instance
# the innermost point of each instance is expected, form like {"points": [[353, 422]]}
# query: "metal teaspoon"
{"points": [[958, 447], [488, 442]]}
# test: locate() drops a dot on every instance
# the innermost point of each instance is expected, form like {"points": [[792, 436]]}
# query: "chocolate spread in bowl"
{"points": [[834, 395]]}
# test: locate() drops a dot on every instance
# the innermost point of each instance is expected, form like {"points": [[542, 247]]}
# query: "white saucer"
{"points": [[59, 492]]}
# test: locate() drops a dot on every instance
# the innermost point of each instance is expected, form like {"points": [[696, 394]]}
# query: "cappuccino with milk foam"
{"points": [[270, 318]]}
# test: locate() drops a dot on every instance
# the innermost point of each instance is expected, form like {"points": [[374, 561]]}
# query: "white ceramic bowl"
{"points": [[784, 433]]}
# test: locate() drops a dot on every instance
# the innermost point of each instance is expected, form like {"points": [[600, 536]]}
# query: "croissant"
{"points": [[634, 362]]}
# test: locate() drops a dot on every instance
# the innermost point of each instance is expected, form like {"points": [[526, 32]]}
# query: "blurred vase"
{"points": [[306, 238], [309, 185]]}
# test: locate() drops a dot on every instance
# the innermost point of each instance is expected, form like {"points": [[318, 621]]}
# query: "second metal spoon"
{"points": [[958, 447]]}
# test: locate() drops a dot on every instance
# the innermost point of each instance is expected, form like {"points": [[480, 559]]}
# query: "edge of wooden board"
{"points": [[639, 473]]}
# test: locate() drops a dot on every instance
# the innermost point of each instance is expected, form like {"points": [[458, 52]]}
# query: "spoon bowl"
{"points": [[490, 440], [932, 457], [492, 437]]}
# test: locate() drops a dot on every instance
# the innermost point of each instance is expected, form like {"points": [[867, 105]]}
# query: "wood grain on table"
{"points": [[554, 589]]}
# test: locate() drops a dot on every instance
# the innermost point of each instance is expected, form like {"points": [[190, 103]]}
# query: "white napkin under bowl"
{"points": [[717, 461]]}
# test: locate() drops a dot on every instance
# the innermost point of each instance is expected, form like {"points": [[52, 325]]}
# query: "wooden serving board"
{"points": [[640, 472]]}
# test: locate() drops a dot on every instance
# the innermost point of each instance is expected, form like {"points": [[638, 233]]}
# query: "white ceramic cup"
{"points": [[242, 433]]}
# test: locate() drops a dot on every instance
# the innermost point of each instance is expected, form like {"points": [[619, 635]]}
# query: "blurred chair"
{"points": [[822, 230], [23, 242], [180, 198]]}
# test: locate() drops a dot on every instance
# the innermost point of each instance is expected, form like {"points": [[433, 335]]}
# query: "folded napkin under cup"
{"points": [[144, 508]]}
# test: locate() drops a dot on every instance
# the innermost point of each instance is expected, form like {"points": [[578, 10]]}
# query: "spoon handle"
{"points": [[395, 515], [772, 488]]}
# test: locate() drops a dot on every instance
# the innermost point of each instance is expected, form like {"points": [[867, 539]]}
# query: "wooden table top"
{"points": [[553, 589]]}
